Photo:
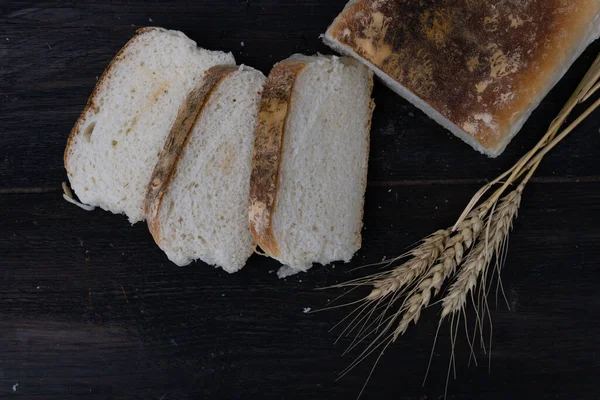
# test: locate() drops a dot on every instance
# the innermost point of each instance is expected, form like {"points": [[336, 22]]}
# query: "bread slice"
{"points": [[478, 68], [115, 143], [309, 168], [197, 201]]}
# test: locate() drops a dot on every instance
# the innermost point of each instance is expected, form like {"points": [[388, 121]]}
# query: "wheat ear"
{"points": [[489, 245], [389, 286], [432, 280], [422, 258], [463, 252]]}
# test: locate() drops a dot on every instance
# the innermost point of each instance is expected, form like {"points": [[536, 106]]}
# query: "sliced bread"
{"points": [[478, 68], [114, 146], [197, 201], [309, 167]]}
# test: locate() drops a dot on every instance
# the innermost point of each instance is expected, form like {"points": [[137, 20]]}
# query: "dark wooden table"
{"points": [[91, 308]]}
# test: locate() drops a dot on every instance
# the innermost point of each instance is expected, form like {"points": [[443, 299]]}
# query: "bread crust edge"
{"points": [[188, 115], [90, 105], [273, 112]]}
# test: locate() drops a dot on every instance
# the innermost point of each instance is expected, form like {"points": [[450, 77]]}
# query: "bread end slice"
{"points": [[270, 127]]}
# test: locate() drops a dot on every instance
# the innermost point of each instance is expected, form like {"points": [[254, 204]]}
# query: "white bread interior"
{"points": [[318, 213], [204, 213], [115, 144]]}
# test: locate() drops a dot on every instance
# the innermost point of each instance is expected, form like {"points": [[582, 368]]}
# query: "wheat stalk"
{"points": [[463, 252], [388, 286], [430, 264]]}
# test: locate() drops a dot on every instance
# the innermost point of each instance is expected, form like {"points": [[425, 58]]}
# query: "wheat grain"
{"points": [[389, 286], [478, 260], [431, 282], [431, 263], [422, 258], [479, 236]]}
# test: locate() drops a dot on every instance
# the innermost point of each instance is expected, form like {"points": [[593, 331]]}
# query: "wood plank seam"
{"points": [[373, 183]]}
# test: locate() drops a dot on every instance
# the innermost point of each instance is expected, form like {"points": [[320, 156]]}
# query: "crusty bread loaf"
{"points": [[197, 201], [479, 68], [115, 143], [310, 161]]}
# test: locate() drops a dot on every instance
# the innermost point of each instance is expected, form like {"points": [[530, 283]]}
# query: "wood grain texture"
{"points": [[88, 303], [91, 308]]}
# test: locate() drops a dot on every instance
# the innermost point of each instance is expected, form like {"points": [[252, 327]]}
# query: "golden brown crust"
{"points": [[189, 113], [91, 105], [268, 145], [481, 64]]}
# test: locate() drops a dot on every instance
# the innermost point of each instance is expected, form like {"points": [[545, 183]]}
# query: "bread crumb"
{"points": [[306, 310], [68, 196], [242, 44], [38, 288], [15, 386], [150, 20]]}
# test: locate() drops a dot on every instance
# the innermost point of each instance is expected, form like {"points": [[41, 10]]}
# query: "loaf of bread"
{"points": [[309, 168], [197, 201], [479, 68], [114, 146]]}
